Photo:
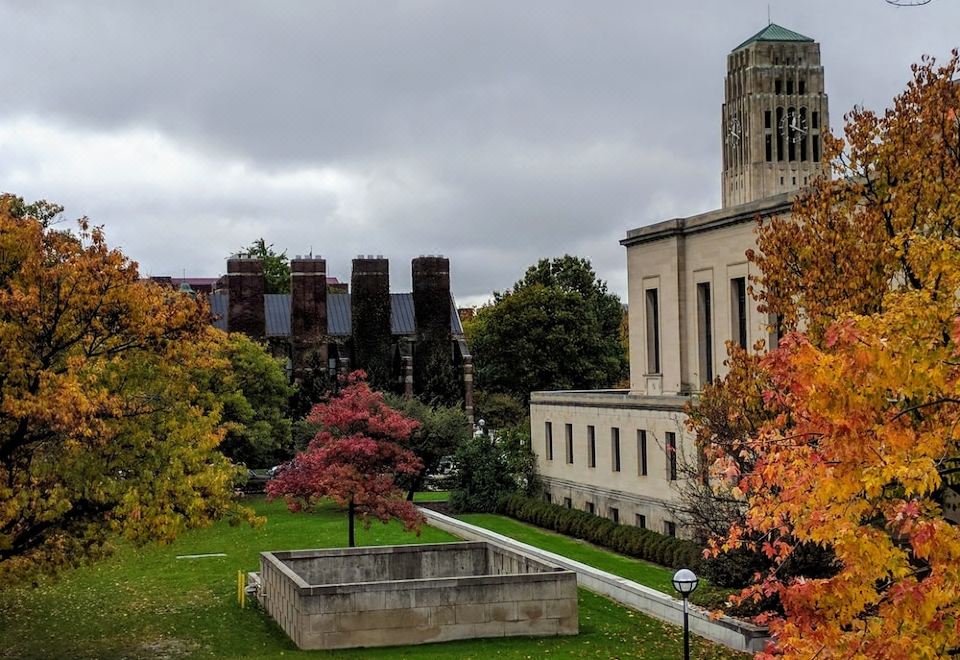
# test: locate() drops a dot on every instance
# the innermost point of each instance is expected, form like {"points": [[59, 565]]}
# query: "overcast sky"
{"points": [[494, 133]]}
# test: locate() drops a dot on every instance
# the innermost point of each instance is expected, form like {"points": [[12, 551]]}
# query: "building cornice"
{"points": [[617, 399], [711, 220]]}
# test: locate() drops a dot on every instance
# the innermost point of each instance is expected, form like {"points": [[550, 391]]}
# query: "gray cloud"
{"points": [[494, 133]]}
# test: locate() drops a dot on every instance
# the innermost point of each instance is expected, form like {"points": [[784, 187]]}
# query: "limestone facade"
{"points": [[621, 453]]}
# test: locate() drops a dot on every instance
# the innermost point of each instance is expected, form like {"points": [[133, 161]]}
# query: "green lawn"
{"points": [[651, 575], [146, 603], [432, 496]]}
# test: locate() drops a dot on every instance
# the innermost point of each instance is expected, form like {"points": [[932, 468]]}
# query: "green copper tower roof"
{"points": [[774, 32]]}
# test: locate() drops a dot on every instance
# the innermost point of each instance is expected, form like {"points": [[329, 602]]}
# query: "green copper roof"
{"points": [[774, 32]]}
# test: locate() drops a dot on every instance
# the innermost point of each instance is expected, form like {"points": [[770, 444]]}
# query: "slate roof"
{"points": [[774, 32], [339, 323]]}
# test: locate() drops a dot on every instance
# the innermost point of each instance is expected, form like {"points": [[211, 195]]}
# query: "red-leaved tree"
{"points": [[354, 459]]}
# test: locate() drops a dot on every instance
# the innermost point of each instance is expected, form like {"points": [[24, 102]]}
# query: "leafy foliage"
{"points": [[276, 267], [105, 426], [441, 431], [557, 328], [355, 459], [856, 442], [490, 466], [498, 410], [255, 396], [625, 539]]}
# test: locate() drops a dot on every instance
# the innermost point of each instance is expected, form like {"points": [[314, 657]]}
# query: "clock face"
{"points": [[793, 126], [734, 128]]}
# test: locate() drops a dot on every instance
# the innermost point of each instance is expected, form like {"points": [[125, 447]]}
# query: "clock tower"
{"points": [[774, 114]]}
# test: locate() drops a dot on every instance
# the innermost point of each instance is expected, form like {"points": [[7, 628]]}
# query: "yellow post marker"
{"points": [[240, 588]]}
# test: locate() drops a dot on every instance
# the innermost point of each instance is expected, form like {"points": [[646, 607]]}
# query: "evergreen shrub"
{"points": [[627, 540]]}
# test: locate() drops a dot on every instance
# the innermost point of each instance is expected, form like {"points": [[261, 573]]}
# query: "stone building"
{"points": [[371, 328], [620, 453]]}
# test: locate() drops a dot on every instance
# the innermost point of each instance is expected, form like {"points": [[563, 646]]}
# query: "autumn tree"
{"points": [[355, 459], [103, 430], [857, 443], [556, 328]]}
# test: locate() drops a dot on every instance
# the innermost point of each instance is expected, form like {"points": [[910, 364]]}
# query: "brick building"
{"points": [[370, 328]]}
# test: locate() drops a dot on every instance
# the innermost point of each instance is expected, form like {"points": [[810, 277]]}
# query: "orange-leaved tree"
{"points": [[103, 430], [857, 448], [355, 459]]}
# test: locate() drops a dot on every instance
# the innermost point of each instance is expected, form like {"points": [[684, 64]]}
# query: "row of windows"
{"points": [[615, 453], [795, 137], [738, 329], [640, 520]]}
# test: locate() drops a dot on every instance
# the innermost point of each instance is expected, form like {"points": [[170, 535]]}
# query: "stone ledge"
{"points": [[732, 633]]}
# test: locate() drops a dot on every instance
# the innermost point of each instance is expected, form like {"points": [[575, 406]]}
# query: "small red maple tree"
{"points": [[354, 459]]}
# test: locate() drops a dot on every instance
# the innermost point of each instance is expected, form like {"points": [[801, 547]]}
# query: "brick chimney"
{"points": [[370, 312], [433, 375], [308, 308], [246, 286], [431, 295]]}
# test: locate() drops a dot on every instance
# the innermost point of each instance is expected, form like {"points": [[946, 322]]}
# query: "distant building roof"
{"points": [[774, 32], [339, 321]]}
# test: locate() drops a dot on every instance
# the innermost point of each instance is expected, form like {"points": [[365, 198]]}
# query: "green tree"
{"points": [[255, 395], [557, 328], [442, 430], [276, 267], [106, 426], [492, 465]]}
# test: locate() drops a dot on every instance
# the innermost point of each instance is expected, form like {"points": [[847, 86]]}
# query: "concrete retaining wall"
{"points": [[523, 596], [732, 633]]}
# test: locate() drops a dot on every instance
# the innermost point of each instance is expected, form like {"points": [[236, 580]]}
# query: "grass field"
{"points": [[146, 603]]}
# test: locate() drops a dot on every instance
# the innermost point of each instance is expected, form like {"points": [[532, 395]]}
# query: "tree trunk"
{"points": [[350, 514]]}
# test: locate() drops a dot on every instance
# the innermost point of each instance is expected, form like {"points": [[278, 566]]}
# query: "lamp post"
{"points": [[685, 582]]}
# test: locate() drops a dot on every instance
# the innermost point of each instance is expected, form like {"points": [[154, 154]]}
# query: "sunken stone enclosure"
{"points": [[414, 594]]}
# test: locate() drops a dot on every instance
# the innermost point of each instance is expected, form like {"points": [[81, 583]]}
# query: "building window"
{"points": [[567, 502], [548, 436], [568, 437], [641, 521], [670, 528], [642, 453], [803, 136], [777, 86], [615, 514], [780, 137], [815, 142], [790, 86], [738, 311], [802, 86], [653, 331], [672, 456], [547, 497], [815, 120], [768, 147], [591, 447], [775, 322], [705, 332], [615, 448], [590, 508]]}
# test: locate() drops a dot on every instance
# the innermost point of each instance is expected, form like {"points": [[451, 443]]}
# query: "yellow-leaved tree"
{"points": [[103, 428], [857, 447]]}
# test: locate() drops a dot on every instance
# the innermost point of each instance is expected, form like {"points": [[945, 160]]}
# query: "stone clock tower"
{"points": [[774, 114]]}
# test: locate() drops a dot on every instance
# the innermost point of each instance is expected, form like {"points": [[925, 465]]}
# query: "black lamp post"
{"points": [[685, 582]]}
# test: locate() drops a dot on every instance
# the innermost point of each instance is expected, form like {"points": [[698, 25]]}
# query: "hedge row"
{"points": [[625, 539]]}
